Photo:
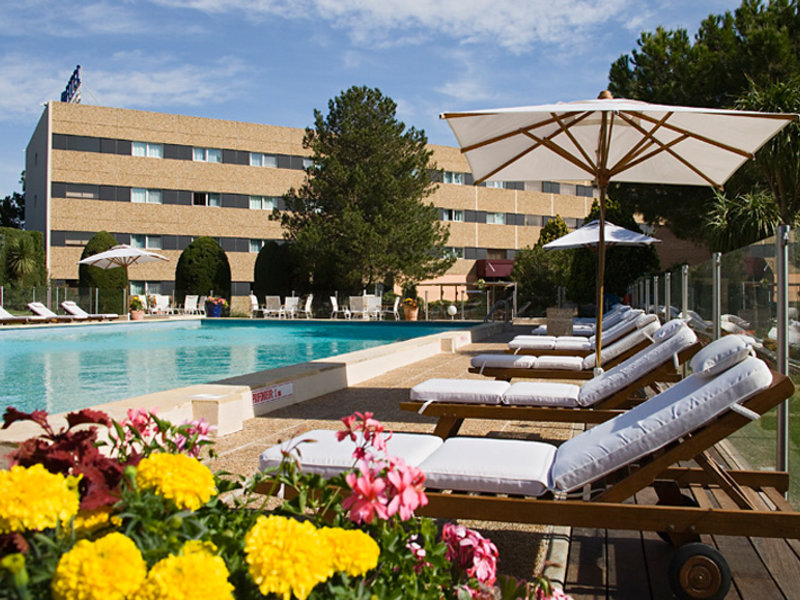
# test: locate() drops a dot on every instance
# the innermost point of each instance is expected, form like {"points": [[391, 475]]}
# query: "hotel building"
{"points": [[159, 180]]}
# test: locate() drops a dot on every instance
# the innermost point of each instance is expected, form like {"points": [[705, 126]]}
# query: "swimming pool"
{"points": [[66, 368]]}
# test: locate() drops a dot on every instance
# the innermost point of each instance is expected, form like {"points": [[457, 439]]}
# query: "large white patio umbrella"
{"points": [[588, 236], [608, 140], [121, 255]]}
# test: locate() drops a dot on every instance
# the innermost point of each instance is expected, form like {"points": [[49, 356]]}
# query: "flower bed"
{"points": [[147, 520]]}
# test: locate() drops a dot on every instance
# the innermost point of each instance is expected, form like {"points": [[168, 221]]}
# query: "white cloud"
{"points": [[130, 79], [512, 24], [72, 19]]}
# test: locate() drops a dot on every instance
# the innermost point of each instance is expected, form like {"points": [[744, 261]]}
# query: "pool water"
{"points": [[60, 369]]}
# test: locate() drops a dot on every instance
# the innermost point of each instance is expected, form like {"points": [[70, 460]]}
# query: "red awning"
{"points": [[495, 267]]}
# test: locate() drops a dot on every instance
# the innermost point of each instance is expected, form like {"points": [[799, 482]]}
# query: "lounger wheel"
{"points": [[699, 572]]}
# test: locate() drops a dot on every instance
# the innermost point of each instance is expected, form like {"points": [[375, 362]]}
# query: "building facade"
{"points": [[158, 180]]}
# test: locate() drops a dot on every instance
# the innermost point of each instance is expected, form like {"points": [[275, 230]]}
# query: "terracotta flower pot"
{"points": [[410, 312], [137, 315]]}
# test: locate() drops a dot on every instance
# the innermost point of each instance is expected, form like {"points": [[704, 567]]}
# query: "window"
{"points": [[141, 240], [147, 149], [496, 184], [533, 220], [256, 245], [449, 214], [145, 287], [206, 199], [551, 187], [76, 238], [208, 155], [496, 218], [142, 196], [584, 190], [263, 202], [457, 252], [307, 163], [453, 177], [263, 160]]}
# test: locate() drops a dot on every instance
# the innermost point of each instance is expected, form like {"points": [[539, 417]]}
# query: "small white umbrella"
{"points": [[609, 140], [588, 236], [123, 256]]}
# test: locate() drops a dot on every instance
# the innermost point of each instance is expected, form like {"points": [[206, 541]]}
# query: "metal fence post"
{"points": [[716, 292], [655, 294], [646, 295], [782, 253], [667, 296], [426, 305], [685, 292]]}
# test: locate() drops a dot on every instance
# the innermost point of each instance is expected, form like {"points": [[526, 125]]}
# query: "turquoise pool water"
{"points": [[66, 368]]}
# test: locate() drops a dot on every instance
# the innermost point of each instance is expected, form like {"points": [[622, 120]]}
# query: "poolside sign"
{"points": [[272, 392]]}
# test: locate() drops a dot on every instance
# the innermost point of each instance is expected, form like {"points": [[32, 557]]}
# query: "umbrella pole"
{"points": [[601, 272]]}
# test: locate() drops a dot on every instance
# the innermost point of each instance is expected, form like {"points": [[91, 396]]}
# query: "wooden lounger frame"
{"points": [[452, 414]]}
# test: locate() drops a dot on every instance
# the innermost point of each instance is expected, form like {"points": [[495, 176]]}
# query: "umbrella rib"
{"points": [[666, 148], [693, 135], [623, 166], [644, 143], [552, 146], [519, 131], [568, 133]]}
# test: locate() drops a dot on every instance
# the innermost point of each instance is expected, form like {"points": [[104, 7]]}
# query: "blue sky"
{"points": [[275, 61]]}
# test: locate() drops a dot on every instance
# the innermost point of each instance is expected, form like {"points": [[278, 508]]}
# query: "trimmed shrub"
{"points": [[110, 282], [202, 268], [272, 274]]}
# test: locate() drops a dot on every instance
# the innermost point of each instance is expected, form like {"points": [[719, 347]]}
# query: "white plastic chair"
{"points": [[372, 307], [394, 311], [307, 311], [290, 306], [336, 309], [272, 306], [254, 306]]}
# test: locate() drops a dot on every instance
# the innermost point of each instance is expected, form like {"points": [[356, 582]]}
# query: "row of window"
{"points": [[258, 159], [267, 203], [179, 242]]}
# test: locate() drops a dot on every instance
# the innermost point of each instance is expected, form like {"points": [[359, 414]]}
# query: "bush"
{"points": [[202, 268], [111, 282], [272, 274], [22, 258]]}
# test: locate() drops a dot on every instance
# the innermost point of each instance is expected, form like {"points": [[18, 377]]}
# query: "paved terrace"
{"points": [[597, 563]]}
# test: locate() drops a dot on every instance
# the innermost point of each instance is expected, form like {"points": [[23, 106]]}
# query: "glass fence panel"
{"points": [[676, 293], [701, 296]]}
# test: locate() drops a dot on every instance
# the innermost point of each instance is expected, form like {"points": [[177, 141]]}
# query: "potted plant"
{"points": [[136, 306], [215, 305], [410, 309]]}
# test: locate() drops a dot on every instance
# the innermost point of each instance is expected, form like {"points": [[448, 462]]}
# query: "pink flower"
{"points": [[406, 489], [419, 553], [368, 499], [471, 552]]}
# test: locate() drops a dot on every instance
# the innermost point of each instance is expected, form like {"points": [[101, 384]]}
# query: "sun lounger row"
{"points": [[585, 327], [536, 482], [42, 314], [597, 400], [579, 345]]}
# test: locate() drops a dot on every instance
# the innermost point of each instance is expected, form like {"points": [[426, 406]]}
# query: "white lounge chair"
{"points": [[255, 308], [7, 318], [272, 306], [336, 309], [372, 307], [394, 311], [76, 311], [289, 308], [597, 400], [308, 311], [190, 305], [41, 310], [585, 326]]}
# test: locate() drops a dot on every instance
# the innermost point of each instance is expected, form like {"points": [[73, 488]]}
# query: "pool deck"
{"points": [[594, 563]]}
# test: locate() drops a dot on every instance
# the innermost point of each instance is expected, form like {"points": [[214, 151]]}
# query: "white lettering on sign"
{"points": [[272, 392]]}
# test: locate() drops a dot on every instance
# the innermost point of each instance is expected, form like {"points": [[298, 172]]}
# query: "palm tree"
{"points": [[21, 257]]}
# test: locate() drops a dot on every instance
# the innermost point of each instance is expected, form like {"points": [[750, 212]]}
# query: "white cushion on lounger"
{"points": [[529, 393], [720, 355], [586, 330], [539, 330], [621, 346], [653, 424], [561, 363], [628, 323], [533, 342], [328, 456], [476, 391], [617, 378], [503, 361], [492, 465], [572, 344]]}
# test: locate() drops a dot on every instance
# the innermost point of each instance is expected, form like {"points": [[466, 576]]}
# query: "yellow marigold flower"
{"points": [[354, 551], [196, 574], [34, 498], [89, 521], [287, 557], [110, 568], [180, 478]]}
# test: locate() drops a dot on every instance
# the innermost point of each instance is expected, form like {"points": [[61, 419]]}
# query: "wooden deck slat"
{"points": [[657, 554], [627, 571], [586, 568]]}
